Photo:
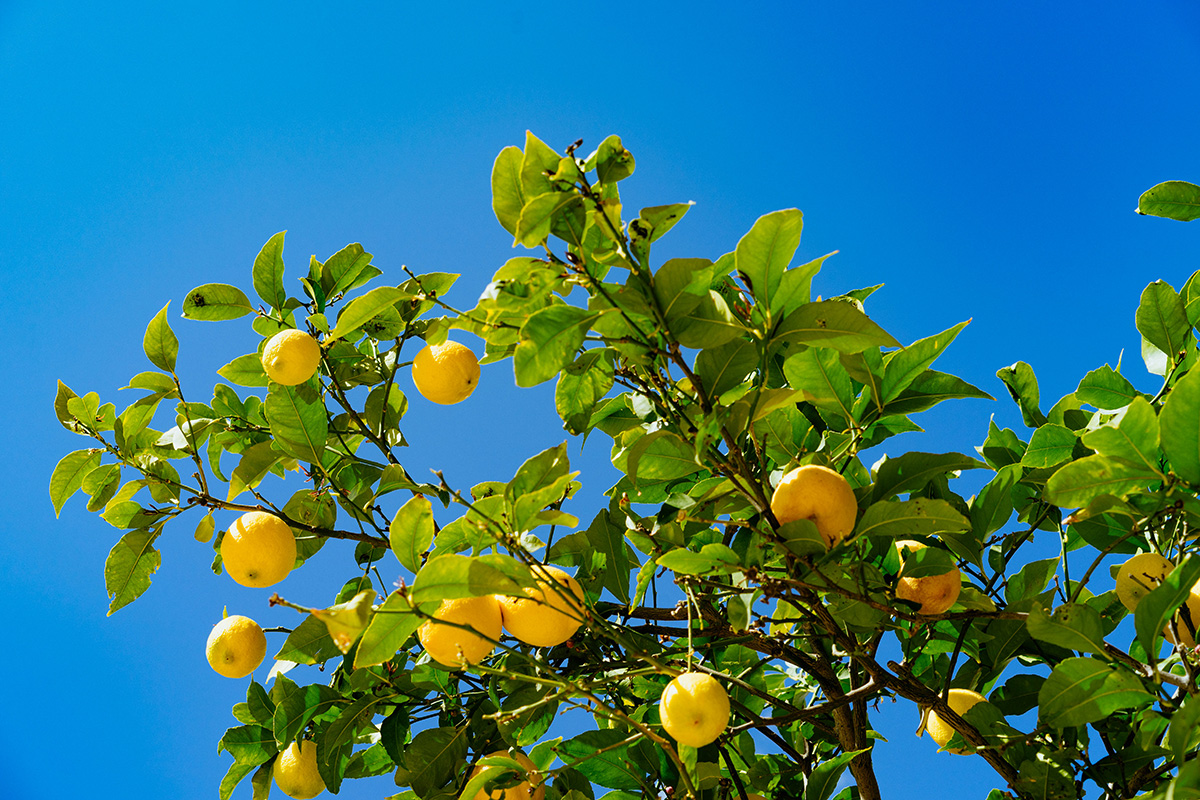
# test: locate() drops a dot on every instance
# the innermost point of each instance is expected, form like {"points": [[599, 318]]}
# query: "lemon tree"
{"points": [[770, 565]]}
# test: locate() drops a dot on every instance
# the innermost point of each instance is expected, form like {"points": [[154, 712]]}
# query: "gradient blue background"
{"points": [[982, 160]]}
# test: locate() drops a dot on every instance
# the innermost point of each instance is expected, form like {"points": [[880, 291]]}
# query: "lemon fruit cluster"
{"points": [[547, 615], [296, 773], [694, 709], [939, 730], [1139, 576], [819, 494], [291, 357], [935, 593], [258, 550], [445, 373], [453, 646], [236, 646], [531, 789]]}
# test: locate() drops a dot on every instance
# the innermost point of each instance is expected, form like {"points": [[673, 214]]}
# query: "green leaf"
{"points": [[245, 370], [256, 461], [1179, 427], [1080, 482], [911, 472], [824, 778], [714, 557], [160, 343], [580, 386], [68, 475], [448, 577], [818, 374], [1155, 610], [661, 456], [345, 269], [433, 757], [1132, 436], [128, 568], [549, 340], [411, 532], [918, 517], [832, 323], [1023, 386], [1106, 389], [1162, 319], [1049, 446], [215, 302], [660, 219], [394, 622], [1074, 626], [612, 161], [597, 756], [1178, 200], [1030, 581], [298, 421], [308, 643], [363, 309], [608, 540], [508, 197], [1184, 732], [268, 272], [1082, 690], [902, 367], [930, 388], [764, 253], [248, 744], [722, 368], [297, 706], [233, 777], [539, 214]]}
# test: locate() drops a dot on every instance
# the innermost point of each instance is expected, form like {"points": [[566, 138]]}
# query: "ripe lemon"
{"points": [[236, 646], [446, 373], [258, 550], [959, 700], [694, 709], [455, 647], [1140, 575], [935, 593], [295, 771], [544, 617], [291, 357], [522, 791], [819, 494]]}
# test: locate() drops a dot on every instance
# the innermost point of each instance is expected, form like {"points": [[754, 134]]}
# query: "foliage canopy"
{"points": [[712, 378]]}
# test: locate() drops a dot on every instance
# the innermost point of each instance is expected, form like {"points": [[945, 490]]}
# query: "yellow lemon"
{"points": [[545, 616], [935, 593], [291, 357], [1140, 575], [236, 646], [258, 550], [959, 700], [446, 373], [819, 494], [295, 771], [694, 709], [455, 647], [1180, 622], [526, 790]]}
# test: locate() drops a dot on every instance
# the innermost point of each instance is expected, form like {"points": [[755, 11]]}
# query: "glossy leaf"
{"points": [[549, 341], [268, 272], [298, 421], [1178, 200], [128, 568], [1106, 388], [832, 323], [1083, 690], [245, 370], [68, 475], [160, 342], [1022, 385], [215, 302], [1161, 318], [363, 309], [391, 626], [411, 532], [1074, 626], [1080, 482], [903, 366], [919, 517], [508, 197], [1179, 432], [764, 253], [1133, 436]]}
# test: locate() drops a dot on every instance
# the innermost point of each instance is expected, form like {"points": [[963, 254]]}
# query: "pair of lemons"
{"points": [[547, 615], [445, 373], [819, 494]]}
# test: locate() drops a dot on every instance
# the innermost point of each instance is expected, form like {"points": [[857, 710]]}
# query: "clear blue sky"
{"points": [[982, 160]]}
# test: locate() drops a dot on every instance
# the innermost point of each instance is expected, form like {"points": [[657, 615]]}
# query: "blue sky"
{"points": [[982, 160]]}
